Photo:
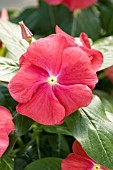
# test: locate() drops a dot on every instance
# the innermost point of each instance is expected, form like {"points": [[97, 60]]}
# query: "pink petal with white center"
{"points": [[54, 2], [47, 53], [76, 68], [73, 97], [43, 107], [25, 83], [6, 126], [79, 160]]}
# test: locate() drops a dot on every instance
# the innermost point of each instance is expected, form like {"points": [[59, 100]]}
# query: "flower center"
{"points": [[96, 167], [52, 80]]}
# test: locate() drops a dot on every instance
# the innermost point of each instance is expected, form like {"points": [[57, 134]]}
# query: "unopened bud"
{"points": [[4, 14], [26, 33]]}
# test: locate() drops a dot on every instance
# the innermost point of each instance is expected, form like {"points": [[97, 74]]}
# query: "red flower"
{"points": [[53, 81], [79, 160], [6, 126], [95, 56], [73, 4], [109, 73]]}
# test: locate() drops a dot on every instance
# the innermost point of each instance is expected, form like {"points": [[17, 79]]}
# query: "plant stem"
{"points": [[38, 147], [74, 23]]}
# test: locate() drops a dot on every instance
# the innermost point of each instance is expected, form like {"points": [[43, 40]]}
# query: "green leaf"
{"points": [[105, 45], [6, 163], [10, 35], [107, 99], [47, 17], [88, 21], [45, 164], [22, 124], [8, 69], [93, 130]]}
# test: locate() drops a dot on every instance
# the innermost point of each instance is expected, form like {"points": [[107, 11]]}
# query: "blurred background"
{"points": [[17, 5]]}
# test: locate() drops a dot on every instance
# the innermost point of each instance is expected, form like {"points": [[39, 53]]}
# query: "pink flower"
{"points": [[73, 4], [109, 73], [79, 160], [53, 81], [95, 56], [6, 126]]}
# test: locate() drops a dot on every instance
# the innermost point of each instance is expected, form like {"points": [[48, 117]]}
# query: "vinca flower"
{"points": [[73, 4], [53, 81], [95, 56], [6, 126], [79, 160]]}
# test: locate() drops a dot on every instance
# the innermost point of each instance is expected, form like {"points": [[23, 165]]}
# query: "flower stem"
{"points": [[38, 147], [74, 23]]}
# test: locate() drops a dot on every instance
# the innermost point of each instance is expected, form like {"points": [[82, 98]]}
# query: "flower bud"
{"points": [[4, 14], [26, 33]]}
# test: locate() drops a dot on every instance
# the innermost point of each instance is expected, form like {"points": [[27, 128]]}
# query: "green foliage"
{"points": [[92, 129], [91, 126], [6, 163], [45, 164], [8, 69]]}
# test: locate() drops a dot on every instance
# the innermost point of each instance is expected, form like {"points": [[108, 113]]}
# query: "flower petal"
{"points": [[76, 68], [69, 38], [47, 53], [85, 41], [73, 97], [75, 162], [43, 107], [95, 56], [77, 149], [54, 2], [25, 82], [6, 126], [4, 141], [73, 4]]}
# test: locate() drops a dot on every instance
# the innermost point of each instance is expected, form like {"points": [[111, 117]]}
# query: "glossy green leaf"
{"points": [[22, 124], [6, 163], [93, 130], [8, 69], [105, 45], [47, 17], [10, 35], [45, 164]]}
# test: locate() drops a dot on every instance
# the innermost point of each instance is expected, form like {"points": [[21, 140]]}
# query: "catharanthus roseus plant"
{"points": [[73, 4], [56, 87], [53, 81], [79, 160], [6, 126]]}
